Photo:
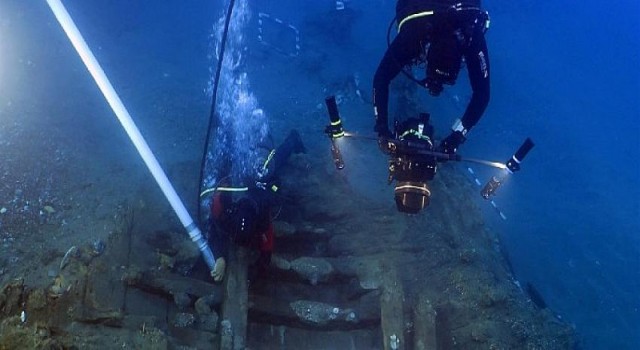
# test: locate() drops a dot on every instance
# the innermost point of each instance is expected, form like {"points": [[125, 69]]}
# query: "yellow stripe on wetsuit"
{"points": [[413, 16], [224, 189], [269, 157]]}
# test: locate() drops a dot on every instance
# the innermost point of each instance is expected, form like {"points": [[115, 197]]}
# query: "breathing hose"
{"points": [[125, 119]]}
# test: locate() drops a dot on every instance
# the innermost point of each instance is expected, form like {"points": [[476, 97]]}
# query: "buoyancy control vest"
{"points": [[405, 8]]}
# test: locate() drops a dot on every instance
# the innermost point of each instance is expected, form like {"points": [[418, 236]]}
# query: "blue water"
{"points": [[565, 75], [568, 77]]}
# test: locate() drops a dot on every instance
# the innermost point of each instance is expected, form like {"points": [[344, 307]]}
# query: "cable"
{"points": [[213, 118]]}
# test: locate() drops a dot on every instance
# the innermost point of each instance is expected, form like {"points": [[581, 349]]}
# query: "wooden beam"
{"points": [[167, 284], [424, 325], [233, 332], [392, 310]]}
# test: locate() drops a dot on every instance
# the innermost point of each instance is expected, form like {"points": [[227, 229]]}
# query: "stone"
{"points": [[184, 320], [313, 270], [369, 275], [283, 229], [204, 305], [280, 263], [320, 231], [182, 300]]}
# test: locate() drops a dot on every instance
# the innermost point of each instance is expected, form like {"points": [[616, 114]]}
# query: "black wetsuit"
{"points": [[410, 44], [261, 237]]}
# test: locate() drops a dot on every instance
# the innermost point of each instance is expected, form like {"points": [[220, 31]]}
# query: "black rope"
{"points": [[213, 117]]}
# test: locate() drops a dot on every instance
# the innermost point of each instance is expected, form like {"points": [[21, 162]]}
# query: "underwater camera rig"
{"points": [[413, 161]]}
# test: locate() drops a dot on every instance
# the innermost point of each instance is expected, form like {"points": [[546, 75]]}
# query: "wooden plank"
{"points": [[424, 323], [233, 333], [392, 312], [168, 284]]}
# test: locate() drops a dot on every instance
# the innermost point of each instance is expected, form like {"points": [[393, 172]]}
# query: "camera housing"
{"points": [[410, 167]]}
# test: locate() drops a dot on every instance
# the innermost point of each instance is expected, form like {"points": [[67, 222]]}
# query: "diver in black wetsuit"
{"points": [[247, 220], [440, 33]]}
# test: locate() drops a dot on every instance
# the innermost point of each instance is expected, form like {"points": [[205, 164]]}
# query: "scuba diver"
{"points": [[440, 34], [247, 220]]}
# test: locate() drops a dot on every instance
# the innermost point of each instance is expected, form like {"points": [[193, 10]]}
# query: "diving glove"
{"points": [[386, 145], [451, 143], [218, 270]]}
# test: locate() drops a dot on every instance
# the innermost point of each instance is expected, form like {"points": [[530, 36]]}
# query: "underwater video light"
{"points": [[335, 131], [491, 187], [512, 165]]}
